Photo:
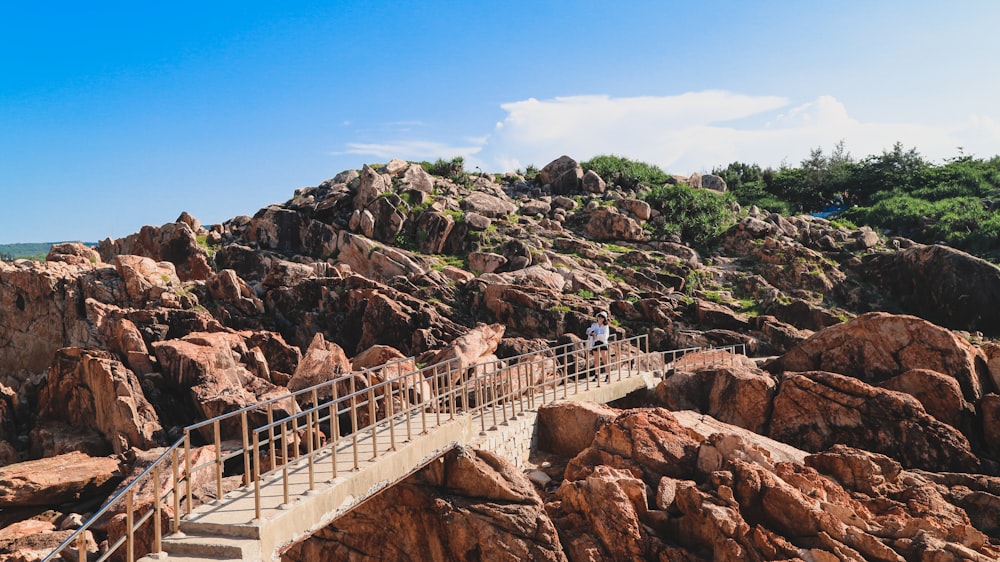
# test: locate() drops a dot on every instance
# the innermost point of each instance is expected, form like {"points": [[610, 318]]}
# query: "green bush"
{"points": [[625, 173], [697, 215]]}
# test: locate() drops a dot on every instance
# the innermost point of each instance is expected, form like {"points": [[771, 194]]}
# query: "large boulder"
{"points": [[90, 389], [606, 223], [39, 315], [217, 371], [816, 410], [944, 285], [566, 428], [55, 480], [468, 349], [656, 485], [738, 394], [877, 346], [176, 243], [564, 174], [323, 361]]}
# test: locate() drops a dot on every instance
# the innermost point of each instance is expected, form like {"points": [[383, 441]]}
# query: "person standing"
{"points": [[597, 342]]}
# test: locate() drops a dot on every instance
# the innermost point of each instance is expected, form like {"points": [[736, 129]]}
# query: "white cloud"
{"points": [[701, 130], [695, 131], [411, 150]]}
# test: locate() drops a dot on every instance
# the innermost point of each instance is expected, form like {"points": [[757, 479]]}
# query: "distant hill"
{"points": [[31, 250]]}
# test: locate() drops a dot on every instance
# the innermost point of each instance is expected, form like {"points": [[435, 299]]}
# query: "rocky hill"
{"points": [[868, 427]]}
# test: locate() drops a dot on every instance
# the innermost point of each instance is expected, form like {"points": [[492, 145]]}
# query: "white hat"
{"points": [[602, 314]]}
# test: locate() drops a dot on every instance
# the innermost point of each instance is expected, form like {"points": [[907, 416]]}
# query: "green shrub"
{"points": [[697, 215], [625, 173]]}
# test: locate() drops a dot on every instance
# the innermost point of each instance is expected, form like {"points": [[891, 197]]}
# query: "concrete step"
{"points": [[208, 547]]}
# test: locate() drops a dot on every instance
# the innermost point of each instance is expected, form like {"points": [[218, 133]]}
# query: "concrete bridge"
{"points": [[293, 481]]}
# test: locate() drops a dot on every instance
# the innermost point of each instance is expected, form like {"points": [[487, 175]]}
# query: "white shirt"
{"points": [[597, 332]]}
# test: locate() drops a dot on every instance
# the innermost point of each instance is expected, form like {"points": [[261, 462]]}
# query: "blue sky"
{"points": [[115, 115]]}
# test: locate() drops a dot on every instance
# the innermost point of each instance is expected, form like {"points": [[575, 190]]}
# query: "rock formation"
{"points": [[888, 414]]}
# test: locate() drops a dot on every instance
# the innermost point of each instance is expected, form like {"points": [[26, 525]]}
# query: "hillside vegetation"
{"points": [[898, 192]]}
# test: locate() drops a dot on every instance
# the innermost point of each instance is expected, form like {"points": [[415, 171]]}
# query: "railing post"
{"points": [[187, 470], [373, 421], [436, 394], [218, 460], [390, 415], [295, 437], [334, 429], [175, 462], [129, 523], [157, 512], [256, 475], [479, 393], [354, 421], [81, 547], [451, 392], [404, 399], [271, 445], [284, 464], [246, 448], [311, 418]]}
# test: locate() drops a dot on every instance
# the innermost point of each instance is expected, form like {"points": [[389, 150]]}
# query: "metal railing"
{"points": [[360, 414]]}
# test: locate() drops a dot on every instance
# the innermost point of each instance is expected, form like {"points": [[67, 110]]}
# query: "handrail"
{"points": [[497, 390]]}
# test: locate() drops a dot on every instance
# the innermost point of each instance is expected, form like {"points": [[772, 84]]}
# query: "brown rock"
{"points": [[32, 541], [944, 285], [564, 174], [211, 366], [610, 502], [145, 279], [989, 413], [650, 442], [376, 261], [175, 243], [566, 428], [740, 395], [372, 185], [466, 505], [940, 395], [50, 438], [323, 361], [606, 224], [56, 480], [39, 314], [90, 389], [877, 346], [226, 286], [74, 253], [593, 183], [487, 205], [469, 348], [816, 410], [432, 230]]}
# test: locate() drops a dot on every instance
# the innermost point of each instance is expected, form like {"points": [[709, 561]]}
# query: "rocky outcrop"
{"points": [[176, 243], [370, 273], [816, 410], [732, 498], [470, 505], [942, 284], [740, 394], [216, 371], [89, 389], [878, 346], [57, 480]]}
